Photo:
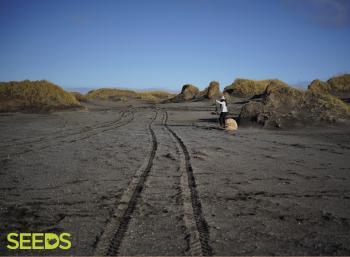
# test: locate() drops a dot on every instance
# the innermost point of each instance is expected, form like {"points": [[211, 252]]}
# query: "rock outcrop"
{"points": [[192, 93], [210, 92], [338, 86], [188, 93], [284, 106]]}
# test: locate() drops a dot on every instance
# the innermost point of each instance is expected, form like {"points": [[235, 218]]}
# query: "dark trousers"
{"points": [[222, 118]]}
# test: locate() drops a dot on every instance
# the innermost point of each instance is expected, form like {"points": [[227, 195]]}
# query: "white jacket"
{"points": [[223, 106]]}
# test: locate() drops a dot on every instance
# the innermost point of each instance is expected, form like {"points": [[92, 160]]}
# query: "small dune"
{"points": [[124, 94], [34, 96], [79, 96], [154, 95], [110, 94]]}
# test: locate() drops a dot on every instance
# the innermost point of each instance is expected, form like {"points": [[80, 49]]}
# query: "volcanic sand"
{"points": [[144, 179]]}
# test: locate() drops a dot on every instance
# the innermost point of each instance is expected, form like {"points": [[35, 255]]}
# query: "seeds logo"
{"points": [[38, 241]]}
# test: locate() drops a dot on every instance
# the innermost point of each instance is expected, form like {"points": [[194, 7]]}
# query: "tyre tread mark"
{"points": [[68, 132], [113, 235], [93, 132], [196, 225]]}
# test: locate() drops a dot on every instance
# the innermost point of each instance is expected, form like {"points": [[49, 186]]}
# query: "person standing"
{"points": [[223, 111]]}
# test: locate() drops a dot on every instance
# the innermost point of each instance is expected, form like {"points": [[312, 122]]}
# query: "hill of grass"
{"points": [[319, 86], [154, 95], [338, 86], [283, 106], [247, 88], [34, 96], [124, 94], [79, 96], [340, 83], [110, 94]]}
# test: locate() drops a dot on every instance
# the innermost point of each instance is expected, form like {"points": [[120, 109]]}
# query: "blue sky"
{"points": [[167, 43]]}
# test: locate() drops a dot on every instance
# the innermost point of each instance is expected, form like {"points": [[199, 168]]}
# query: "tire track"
{"points": [[157, 226], [61, 133], [196, 225], [106, 128], [112, 237], [87, 134]]}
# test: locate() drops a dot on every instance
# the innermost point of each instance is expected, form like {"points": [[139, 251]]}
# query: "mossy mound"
{"points": [[111, 94], [188, 93], [338, 86], [79, 96], [318, 86], [287, 107], [123, 94], [192, 93], [154, 95], [274, 85], [34, 96], [246, 88], [210, 92]]}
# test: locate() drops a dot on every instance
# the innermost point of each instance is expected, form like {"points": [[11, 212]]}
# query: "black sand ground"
{"points": [[256, 192]]}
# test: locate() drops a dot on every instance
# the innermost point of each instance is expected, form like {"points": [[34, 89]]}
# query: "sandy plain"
{"points": [[138, 178]]}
